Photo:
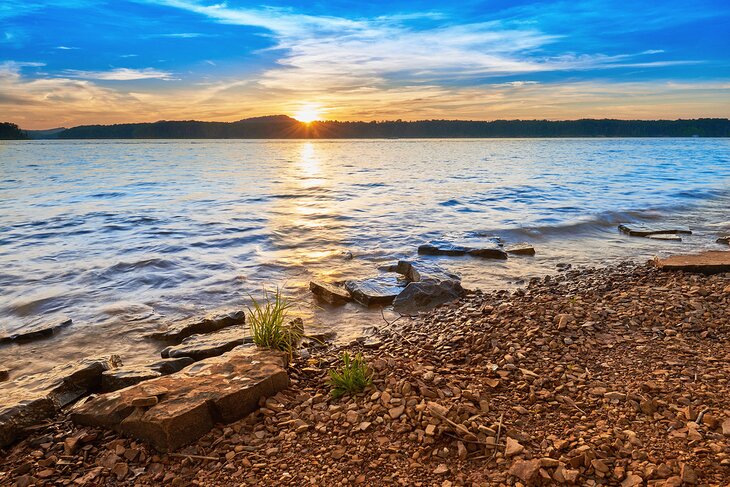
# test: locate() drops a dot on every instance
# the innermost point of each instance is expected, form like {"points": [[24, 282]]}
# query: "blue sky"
{"points": [[68, 62]]}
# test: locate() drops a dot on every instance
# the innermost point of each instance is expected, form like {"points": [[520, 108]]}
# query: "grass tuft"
{"points": [[352, 377], [267, 321]]}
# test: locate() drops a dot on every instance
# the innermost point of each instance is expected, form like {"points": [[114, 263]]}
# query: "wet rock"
{"points": [[650, 230], [4, 375], [419, 296], [430, 286], [329, 292], [215, 390], [520, 249], [705, 263], [438, 247], [199, 347], [119, 378], [28, 400], [417, 271], [495, 252], [113, 380], [380, 290], [724, 240], [668, 238], [36, 332], [178, 330]]}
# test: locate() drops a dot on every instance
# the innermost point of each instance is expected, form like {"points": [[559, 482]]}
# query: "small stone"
{"points": [[525, 470], [441, 469], [121, 470], [513, 448], [688, 475], [396, 412], [351, 417], [632, 480], [337, 453]]}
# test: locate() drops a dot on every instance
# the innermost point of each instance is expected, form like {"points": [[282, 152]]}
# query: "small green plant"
{"points": [[267, 321], [352, 377]]}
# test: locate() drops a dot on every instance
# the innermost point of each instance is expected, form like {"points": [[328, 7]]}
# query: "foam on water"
{"points": [[120, 235]]}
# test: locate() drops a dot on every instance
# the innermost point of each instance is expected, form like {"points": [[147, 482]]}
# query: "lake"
{"points": [[123, 235]]}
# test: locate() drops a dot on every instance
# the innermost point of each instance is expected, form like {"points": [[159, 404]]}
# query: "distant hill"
{"points": [[284, 127], [45, 134], [10, 131]]}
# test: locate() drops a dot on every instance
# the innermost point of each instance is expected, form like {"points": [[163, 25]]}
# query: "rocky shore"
{"points": [[612, 376]]}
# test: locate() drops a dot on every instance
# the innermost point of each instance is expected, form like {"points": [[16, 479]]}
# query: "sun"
{"points": [[307, 113]]}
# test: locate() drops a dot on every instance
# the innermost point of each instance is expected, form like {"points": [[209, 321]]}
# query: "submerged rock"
{"points": [[28, 400], [184, 406], [329, 292], [495, 252], [724, 240], [37, 331], [520, 249], [667, 237], [379, 290], [705, 263], [119, 378], [438, 247], [178, 330], [199, 347], [649, 230]]}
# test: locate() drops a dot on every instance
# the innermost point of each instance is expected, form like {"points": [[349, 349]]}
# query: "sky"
{"points": [[74, 62]]}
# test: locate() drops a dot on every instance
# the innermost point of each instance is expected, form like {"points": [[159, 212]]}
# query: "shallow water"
{"points": [[122, 235]]}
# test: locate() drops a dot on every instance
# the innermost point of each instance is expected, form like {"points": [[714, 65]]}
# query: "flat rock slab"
{"points": [[648, 230], [439, 247], [417, 271], [189, 403], [178, 330], [199, 347], [36, 332], [129, 375], [374, 291], [330, 293], [520, 249], [705, 263], [28, 400]]}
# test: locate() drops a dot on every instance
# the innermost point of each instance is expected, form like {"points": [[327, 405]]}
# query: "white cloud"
{"points": [[121, 74]]}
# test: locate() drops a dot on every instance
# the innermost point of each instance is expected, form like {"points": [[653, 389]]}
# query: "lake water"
{"points": [[123, 235]]}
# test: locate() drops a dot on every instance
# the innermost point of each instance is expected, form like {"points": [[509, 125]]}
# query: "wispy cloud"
{"points": [[65, 48], [120, 74], [182, 35]]}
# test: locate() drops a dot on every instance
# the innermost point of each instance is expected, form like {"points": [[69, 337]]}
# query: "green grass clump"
{"points": [[352, 377], [267, 321]]}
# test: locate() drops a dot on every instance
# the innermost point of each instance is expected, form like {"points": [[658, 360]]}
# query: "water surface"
{"points": [[122, 235]]}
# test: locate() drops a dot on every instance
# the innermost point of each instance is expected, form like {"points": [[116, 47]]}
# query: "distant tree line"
{"points": [[283, 127], [10, 131]]}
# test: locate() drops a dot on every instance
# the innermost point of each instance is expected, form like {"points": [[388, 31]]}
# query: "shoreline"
{"points": [[601, 376]]}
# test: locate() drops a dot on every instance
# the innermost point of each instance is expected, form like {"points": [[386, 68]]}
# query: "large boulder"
{"points": [[429, 286], [176, 409], [128, 375], [329, 292], [420, 296], [379, 290], [28, 400], [705, 262], [178, 330], [198, 347], [36, 331]]}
